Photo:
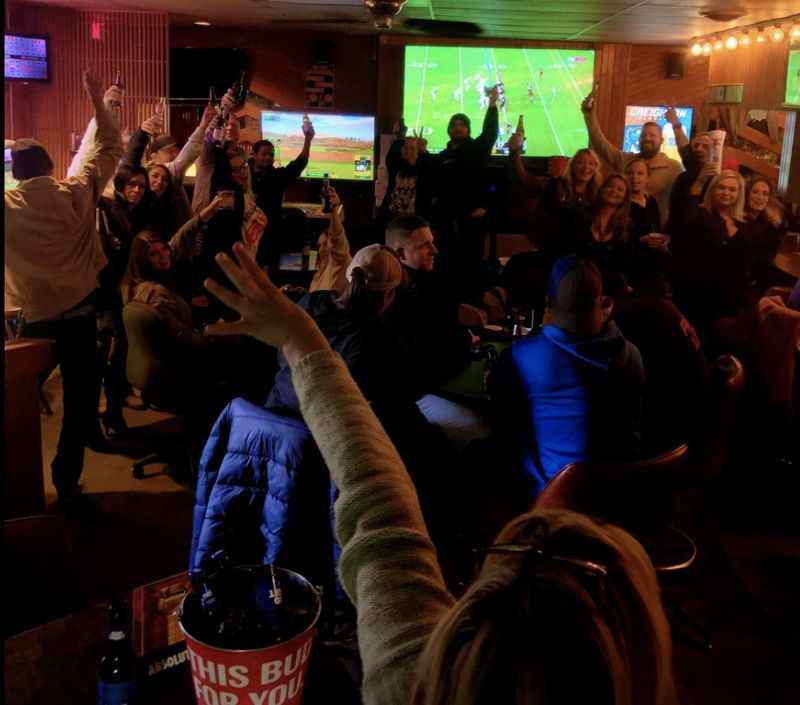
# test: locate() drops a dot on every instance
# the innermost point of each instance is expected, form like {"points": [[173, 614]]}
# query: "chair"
{"points": [[154, 368]]}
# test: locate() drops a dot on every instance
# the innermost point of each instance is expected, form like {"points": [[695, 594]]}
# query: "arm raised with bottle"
{"points": [[597, 140]]}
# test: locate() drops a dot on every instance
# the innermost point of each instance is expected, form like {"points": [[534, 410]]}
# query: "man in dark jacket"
{"points": [[425, 314], [460, 204], [690, 186], [269, 183], [574, 391]]}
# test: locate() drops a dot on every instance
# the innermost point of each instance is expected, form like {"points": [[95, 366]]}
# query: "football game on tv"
{"points": [[343, 147], [546, 86], [793, 78]]}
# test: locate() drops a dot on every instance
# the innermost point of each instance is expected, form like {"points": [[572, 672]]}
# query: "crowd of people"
{"points": [[646, 256]]}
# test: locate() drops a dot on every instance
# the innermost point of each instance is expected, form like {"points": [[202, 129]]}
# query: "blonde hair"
{"points": [[738, 209], [532, 630], [593, 187]]}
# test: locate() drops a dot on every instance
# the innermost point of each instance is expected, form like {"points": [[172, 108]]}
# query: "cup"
{"points": [[266, 673], [717, 144]]}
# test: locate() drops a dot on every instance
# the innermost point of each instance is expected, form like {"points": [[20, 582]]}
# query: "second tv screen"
{"points": [[343, 147], [547, 86]]}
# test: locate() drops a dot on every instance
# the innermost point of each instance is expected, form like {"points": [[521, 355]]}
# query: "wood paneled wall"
{"points": [[760, 67], [135, 43]]}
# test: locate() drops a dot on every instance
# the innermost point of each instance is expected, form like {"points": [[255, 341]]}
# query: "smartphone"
{"points": [[228, 201]]}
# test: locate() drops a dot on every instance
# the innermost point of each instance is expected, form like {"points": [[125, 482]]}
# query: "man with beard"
{"points": [[663, 170]]}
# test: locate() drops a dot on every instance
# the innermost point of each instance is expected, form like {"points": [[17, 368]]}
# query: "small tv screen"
{"points": [[26, 58], [637, 115], [10, 181], [545, 86], [793, 79], [343, 147]]}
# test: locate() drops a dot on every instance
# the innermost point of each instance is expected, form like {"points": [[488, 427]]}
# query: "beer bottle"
{"points": [[326, 201], [520, 125], [116, 678], [118, 83]]}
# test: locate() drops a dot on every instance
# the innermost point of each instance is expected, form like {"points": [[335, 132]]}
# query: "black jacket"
{"points": [[422, 172], [424, 316], [270, 184], [681, 204], [460, 171]]}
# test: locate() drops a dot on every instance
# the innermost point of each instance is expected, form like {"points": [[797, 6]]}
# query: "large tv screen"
{"points": [[792, 97], [637, 115], [26, 58], [546, 86], [343, 148]]}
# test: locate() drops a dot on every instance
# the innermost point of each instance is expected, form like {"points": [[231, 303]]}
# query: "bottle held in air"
{"points": [[521, 125], [116, 678], [325, 194]]}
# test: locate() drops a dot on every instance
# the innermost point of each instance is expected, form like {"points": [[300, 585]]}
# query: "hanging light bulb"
{"points": [[777, 34], [697, 49], [794, 34], [731, 42], [745, 40], [718, 44], [706, 49], [760, 38]]}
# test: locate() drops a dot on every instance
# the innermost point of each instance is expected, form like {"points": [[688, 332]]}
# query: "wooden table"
{"points": [[786, 260], [26, 360]]}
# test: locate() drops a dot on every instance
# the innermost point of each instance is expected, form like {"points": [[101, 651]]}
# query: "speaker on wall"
{"points": [[676, 65]]}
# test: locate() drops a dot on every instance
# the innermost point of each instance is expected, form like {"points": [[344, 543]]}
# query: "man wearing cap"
{"points": [[574, 391], [53, 256], [460, 203], [663, 170]]}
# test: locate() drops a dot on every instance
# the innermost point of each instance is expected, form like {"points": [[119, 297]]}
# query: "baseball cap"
{"points": [[382, 269], [162, 141], [574, 288]]}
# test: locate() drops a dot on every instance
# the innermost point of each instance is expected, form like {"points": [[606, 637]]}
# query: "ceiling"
{"points": [[645, 21]]}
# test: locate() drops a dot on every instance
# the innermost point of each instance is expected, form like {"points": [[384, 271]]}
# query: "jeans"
{"points": [[76, 353]]}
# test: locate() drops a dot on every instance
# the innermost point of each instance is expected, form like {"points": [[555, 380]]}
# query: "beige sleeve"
{"points": [[388, 564], [600, 144]]}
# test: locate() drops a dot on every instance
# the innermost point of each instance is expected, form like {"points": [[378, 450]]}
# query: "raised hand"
{"points": [[515, 142], [209, 114], [93, 87], [671, 116], [308, 129], [588, 103], [494, 94], [228, 102], [774, 216], [265, 312]]}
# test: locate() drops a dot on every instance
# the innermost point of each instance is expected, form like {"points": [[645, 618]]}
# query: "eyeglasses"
{"points": [[584, 566]]}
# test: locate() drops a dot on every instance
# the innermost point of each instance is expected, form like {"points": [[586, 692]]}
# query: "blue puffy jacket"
{"points": [[263, 494]]}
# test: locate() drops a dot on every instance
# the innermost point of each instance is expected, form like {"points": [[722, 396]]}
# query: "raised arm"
{"points": [[295, 167], [340, 247], [605, 150], [194, 145], [515, 152], [491, 123], [102, 159], [388, 564], [184, 243], [677, 128]]}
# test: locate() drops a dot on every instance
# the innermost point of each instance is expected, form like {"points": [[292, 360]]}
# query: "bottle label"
{"points": [[116, 693]]}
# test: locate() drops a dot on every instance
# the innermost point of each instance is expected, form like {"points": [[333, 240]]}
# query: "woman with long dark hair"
{"points": [[767, 227], [118, 219], [606, 238]]}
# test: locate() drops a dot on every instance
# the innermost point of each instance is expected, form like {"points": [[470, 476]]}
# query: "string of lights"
{"points": [[756, 34]]}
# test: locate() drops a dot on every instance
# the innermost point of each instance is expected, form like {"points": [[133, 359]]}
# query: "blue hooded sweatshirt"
{"points": [[562, 399]]}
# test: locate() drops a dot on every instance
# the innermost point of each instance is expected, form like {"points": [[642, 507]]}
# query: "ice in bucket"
{"points": [[249, 634]]}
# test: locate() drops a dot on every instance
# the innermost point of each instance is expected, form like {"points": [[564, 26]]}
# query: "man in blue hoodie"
{"points": [[574, 391]]}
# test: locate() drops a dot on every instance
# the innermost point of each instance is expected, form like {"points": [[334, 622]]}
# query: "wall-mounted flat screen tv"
{"points": [[546, 86], [26, 58], [637, 115], [343, 148], [792, 97]]}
